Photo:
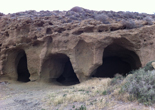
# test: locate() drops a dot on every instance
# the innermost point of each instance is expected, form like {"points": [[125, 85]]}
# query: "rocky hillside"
{"points": [[74, 45]]}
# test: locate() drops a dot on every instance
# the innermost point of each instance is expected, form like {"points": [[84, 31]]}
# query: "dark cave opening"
{"points": [[22, 70], [68, 76], [117, 60], [112, 66]]}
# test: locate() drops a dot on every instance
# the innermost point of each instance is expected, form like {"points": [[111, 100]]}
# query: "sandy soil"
{"points": [[34, 96], [24, 96]]}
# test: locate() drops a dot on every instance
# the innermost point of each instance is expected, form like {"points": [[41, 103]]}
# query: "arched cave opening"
{"points": [[22, 70], [117, 60], [68, 76]]}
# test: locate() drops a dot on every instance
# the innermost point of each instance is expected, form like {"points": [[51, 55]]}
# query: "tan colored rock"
{"points": [[50, 44], [153, 64]]}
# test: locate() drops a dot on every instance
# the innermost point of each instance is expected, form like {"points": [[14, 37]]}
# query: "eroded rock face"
{"points": [[36, 46]]}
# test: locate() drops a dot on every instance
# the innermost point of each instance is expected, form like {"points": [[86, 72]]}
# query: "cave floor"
{"points": [[45, 96]]}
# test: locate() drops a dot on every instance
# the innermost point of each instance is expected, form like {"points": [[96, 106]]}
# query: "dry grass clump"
{"points": [[89, 92], [68, 98], [94, 85]]}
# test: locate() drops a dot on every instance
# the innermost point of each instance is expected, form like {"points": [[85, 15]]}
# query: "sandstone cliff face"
{"points": [[51, 47]]}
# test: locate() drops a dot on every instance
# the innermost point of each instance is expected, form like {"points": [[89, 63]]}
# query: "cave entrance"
{"points": [[117, 59], [68, 76], [22, 70]]}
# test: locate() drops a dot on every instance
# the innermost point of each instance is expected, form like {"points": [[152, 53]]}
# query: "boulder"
{"points": [[153, 64]]}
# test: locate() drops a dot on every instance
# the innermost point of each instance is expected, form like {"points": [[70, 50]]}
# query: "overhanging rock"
{"points": [[45, 48]]}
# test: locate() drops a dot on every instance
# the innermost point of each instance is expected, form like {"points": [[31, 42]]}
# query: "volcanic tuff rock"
{"points": [[44, 43]]}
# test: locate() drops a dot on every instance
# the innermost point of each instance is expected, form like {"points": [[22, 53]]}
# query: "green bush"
{"points": [[141, 85], [104, 93], [81, 108], [148, 66]]}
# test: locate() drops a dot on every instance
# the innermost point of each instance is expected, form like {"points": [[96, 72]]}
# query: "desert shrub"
{"points": [[144, 15], [153, 16], [129, 15], [122, 15], [149, 20], [128, 24], [148, 66], [102, 17], [117, 79], [110, 14], [77, 9], [1, 14], [141, 85]]}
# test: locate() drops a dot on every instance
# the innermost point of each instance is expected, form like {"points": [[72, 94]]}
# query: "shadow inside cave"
{"points": [[117, 60], [68, 77], [22, 70]]}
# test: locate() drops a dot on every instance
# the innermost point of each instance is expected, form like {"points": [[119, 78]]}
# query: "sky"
{"points": [[141, 6]]}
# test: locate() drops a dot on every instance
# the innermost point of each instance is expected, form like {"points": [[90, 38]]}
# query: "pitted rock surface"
{"points": [[47, 41]]}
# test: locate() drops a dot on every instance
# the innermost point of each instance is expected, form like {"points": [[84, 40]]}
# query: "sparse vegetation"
{"points": [[92, 90], [137, 86], [78, 14]]}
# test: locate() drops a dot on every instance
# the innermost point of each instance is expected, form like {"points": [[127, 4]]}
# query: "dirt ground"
{"points": [[46, 96]]}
